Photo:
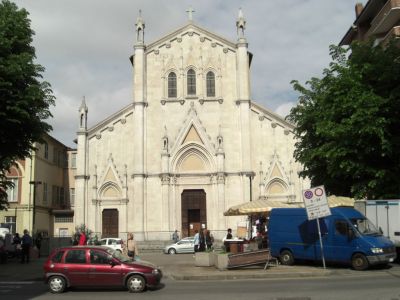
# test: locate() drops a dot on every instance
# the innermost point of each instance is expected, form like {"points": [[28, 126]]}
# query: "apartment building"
{"points": [[378, 19], [41, 198]]}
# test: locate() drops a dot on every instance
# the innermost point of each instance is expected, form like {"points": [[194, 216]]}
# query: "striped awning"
{"points": [[265, 206]]}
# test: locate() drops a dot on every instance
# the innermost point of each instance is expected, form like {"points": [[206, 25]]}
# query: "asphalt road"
{"points": [[383, 286]]}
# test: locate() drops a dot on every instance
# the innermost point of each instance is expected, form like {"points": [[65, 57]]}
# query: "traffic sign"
{"points": [[316, 203]]}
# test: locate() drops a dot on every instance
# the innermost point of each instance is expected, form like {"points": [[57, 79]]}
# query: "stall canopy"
{"points": [[265, 206]]}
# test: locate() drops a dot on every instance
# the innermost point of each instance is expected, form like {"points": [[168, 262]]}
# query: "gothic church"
{"points": [[191, 143]]}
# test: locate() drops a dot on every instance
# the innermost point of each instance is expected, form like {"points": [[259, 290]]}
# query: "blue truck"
{"points": [[347, 236]]}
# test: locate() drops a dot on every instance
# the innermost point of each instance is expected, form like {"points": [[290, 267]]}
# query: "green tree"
{"points": [[348, 123], [24, 98]]}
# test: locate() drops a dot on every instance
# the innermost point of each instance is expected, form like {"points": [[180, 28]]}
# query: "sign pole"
{"points": [[320, 242]]}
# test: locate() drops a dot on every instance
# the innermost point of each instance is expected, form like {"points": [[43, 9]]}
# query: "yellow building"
{"points": [[41, 198], [378, 19]]}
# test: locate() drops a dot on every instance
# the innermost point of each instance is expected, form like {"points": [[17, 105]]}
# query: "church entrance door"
{"points": [[110, 223], [194, 211]]}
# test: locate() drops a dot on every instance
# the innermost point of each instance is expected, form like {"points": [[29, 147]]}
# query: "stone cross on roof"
{"points": [[190, 12]]}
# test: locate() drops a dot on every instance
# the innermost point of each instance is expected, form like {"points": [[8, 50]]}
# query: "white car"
{"points": [[185, 245], [114, 243]]}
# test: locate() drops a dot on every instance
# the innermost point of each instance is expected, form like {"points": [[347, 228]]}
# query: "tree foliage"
{"points": [[24, 98], [348, 123]]}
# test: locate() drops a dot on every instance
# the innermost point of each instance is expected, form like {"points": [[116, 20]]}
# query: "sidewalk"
{"points": [[181, 267]]}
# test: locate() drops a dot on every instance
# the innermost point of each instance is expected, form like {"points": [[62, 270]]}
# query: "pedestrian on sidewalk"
{"points": [[26, 243], [202, 241], [131, 246], [17, 245], [209, 239], [82, 238], [38, 242], [175, 236], [196, 241]]}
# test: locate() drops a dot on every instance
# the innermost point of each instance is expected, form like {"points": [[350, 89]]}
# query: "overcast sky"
{"points": [[85, 46]]}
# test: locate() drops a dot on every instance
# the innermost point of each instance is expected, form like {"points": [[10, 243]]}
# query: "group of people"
{"points": [[23, 245], [203, 240]]}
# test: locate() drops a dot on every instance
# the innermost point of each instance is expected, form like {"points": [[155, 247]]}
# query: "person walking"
{"points": [[82, 238], [131, 246], [26, 243], [175, 236], [196, 241], [38, 243], [17, 245], [202, 241], [209, 239]]}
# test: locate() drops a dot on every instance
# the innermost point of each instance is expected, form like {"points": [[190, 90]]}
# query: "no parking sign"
{"points": [[316, 203]]}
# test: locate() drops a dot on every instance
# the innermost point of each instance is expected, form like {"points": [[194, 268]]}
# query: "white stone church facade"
{"points": [[191, 143]]}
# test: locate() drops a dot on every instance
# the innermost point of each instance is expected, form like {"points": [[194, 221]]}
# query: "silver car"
{"points": [[185, 245]]}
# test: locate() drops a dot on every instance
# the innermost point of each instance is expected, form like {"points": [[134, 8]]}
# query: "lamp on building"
{"points": [[34, 183]]}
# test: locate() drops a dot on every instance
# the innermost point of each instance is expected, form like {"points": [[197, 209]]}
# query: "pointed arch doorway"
{"points": [[194, 211]]}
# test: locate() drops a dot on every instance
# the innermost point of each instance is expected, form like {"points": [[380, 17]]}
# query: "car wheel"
{"points": [[359, 262], [286, 258], [57, 284], [136, 284], [172, 251]]}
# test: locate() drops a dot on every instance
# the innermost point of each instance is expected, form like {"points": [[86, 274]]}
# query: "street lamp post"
{"points": [[34, 183], [251, 176]]}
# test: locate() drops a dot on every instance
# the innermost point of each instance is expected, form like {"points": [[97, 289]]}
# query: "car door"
{"points": [[186, 246], [101, 271], [341, 245], [76, 267]]}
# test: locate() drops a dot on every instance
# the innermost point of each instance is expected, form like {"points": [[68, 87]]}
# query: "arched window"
{"points": [[210, 81], [191, 82], [172, 85]]}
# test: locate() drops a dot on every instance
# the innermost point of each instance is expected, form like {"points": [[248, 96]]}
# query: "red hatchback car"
{"points": [[97, 266]]}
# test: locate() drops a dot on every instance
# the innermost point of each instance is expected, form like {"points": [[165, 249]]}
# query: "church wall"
{"points": [[117, 141]]}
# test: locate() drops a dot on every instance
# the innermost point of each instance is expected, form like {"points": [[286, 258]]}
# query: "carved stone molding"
{"points": [[202, 39], [219, 100], [179, 39], [123, 121], [165, 101], [225, 50], [156, 52], [165, 179], [221, 178], [98, 136]]}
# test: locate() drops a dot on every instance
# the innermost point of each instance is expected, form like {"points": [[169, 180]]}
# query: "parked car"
{"points": [[114, 243], [97, 266], [185, 245]]}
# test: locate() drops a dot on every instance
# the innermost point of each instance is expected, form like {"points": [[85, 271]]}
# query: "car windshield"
{"points": [[365, 227], [118, 255]]}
